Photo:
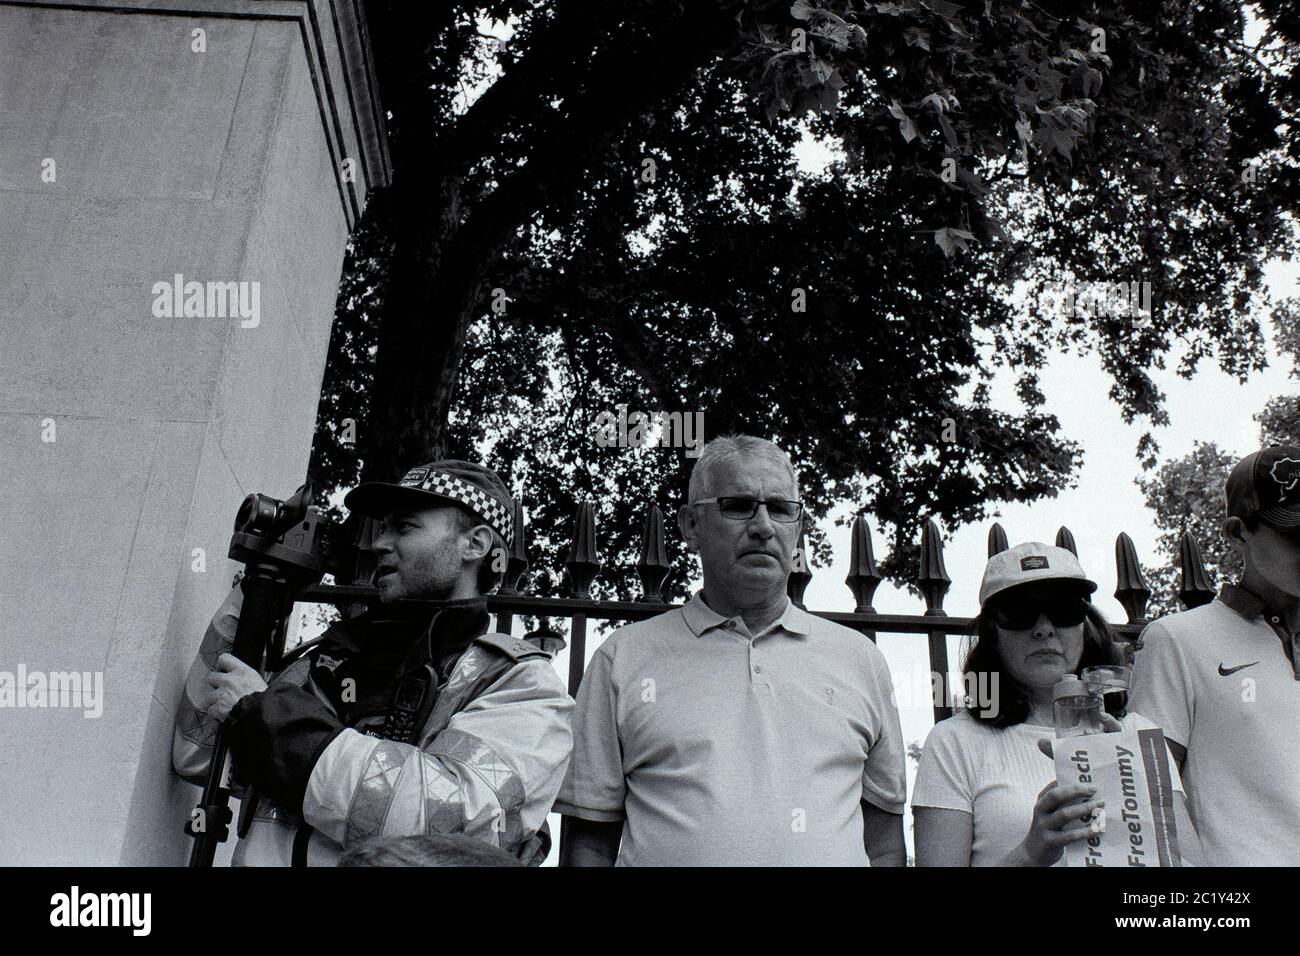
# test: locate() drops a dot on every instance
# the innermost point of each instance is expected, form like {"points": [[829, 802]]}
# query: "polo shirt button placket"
{"points": [[756, 673]]}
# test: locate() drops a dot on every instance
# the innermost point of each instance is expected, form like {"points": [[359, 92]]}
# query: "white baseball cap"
{"points": [[1028, 563]]}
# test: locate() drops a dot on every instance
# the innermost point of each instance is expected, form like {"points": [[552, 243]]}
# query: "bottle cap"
{"points": [[1069, 687]]}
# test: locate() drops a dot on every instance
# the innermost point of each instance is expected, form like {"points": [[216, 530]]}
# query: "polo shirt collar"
{"points": [[1250, 606], [1246, 603], [701, 618]]}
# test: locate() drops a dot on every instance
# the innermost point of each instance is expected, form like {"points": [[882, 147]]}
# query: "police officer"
{"points": [[402, 721]]}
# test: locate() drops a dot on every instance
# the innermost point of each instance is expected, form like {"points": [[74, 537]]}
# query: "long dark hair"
{"points": [[1008, 702]]}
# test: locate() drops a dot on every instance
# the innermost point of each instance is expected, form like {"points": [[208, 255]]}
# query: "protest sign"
{"points": [[1131, 772]]}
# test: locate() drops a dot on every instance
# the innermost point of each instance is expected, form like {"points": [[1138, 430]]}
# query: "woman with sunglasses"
{"points": [[985, 791]]}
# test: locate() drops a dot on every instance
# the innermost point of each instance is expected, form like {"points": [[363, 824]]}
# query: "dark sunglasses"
{"points": [[742, 509], [1021, 614]]}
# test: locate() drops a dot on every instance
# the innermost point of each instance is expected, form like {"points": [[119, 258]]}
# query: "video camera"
{"points": [[285, 547], [293, 533], [293, 544]]}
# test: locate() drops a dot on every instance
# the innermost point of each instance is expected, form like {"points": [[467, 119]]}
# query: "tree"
{"points": [[625, 192], [1186, 493]]}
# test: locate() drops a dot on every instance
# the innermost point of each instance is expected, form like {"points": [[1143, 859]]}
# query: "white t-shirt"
{"points": [[1241, 729], [994, 774]]}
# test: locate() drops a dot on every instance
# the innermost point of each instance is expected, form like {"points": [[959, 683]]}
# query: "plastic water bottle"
{"points": [[1075, 711], [1110, 682]]}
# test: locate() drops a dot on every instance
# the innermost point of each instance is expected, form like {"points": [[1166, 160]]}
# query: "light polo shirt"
{"points": [[718, 747], [1220, 681]]}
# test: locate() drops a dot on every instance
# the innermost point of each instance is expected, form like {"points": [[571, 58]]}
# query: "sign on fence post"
{"points": [[1130, 770]]}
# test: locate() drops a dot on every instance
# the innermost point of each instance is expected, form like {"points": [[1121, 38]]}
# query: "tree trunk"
{"points": [[609, 68]]}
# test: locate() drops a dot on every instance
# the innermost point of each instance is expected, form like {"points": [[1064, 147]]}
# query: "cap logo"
{"points": [[1035, 562], [414, 477], [1286, 472]]}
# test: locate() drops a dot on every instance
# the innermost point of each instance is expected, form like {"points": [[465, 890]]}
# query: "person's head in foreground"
{"points": [[743, 516], [443, 530], [1263, 524], [1035, 626]]}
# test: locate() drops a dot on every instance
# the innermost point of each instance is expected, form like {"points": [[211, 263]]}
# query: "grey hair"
{"points": [[727, 448]]}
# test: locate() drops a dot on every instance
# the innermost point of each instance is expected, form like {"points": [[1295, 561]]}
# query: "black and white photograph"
{"points": [[732, 442]]}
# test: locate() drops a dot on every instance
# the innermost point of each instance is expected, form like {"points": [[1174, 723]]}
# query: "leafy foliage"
{"points": [[1094, 143], [1186, 494]]}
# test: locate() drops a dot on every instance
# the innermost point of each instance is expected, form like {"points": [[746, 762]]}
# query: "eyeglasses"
{"points": [[1021, 615], [742, 509]]}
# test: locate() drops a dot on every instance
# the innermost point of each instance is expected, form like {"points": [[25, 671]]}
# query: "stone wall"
{"points": [[128, 438]]}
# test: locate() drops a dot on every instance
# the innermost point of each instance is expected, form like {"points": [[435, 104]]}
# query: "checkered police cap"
{"points": [[477, 488]]}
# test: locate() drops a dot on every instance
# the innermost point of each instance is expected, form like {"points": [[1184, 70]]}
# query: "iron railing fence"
{"points": [[583, 565]]}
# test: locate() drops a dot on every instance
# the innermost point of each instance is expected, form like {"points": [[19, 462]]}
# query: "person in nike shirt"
{"points": [[1223, 680]]}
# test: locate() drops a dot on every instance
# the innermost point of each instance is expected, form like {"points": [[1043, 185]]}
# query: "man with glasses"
{"points": [[737, 729], [1223, 680]]}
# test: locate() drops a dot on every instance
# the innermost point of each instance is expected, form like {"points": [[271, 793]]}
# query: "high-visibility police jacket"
{"points": [[316, 772]]}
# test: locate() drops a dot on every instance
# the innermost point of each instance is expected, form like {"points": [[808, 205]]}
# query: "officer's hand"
{"points": [[232, 681]]}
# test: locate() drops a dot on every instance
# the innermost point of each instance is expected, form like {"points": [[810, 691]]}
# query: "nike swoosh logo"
{"points": [[1225, 671]]}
